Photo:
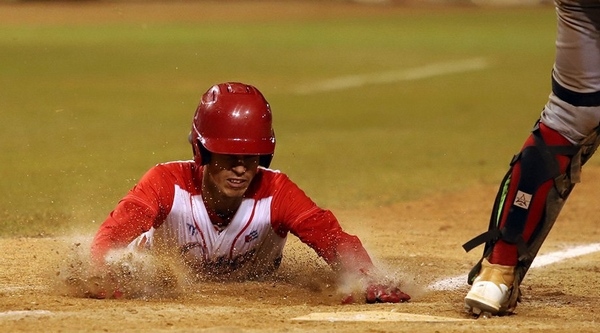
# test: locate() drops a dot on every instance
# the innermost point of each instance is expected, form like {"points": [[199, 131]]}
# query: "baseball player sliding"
{"points": [[225, 212], [543, 173]]}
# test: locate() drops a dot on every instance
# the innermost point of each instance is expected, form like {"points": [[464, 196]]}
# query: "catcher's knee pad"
{"points": [[532, 194]]}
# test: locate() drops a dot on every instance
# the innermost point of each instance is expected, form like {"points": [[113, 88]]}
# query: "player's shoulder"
{"points": [[267, 182], [271, 176], [175, 166], [173, 171]]}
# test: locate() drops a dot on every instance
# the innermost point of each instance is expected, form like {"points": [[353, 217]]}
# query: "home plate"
{"points": [[375, 316]]}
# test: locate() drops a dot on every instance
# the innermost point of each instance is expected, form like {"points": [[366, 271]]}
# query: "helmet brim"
{"points": [[265, 146]]}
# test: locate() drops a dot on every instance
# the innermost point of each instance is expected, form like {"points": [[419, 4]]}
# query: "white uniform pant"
{"points": [[577, 70]]}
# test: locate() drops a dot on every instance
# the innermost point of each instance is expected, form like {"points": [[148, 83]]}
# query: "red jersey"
{"points": [[166, 208]]}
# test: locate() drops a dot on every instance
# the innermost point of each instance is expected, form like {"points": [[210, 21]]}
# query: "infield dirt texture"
{"points": [[411, 183]]}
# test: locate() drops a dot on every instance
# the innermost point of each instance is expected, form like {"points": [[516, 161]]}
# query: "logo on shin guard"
{"points": [[522, 200]]}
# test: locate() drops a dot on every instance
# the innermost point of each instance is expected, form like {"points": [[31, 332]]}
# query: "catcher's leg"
{"points": [[531, 195], [543, 174]]}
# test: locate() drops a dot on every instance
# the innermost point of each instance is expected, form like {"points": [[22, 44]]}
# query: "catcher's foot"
{"points": [[491, 290]]}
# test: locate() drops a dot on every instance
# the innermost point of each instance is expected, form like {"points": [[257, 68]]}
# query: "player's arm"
{"points": [[146, 205], [320, 229], [293, 211]]}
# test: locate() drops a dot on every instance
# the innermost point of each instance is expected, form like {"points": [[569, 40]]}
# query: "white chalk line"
{"points": [[411, 74], [15, 289], [24, 313], [457, 282]]}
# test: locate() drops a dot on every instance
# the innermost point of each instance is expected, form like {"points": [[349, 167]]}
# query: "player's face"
{"points": [[230, 175]]}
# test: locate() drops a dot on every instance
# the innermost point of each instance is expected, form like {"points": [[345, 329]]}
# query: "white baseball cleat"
{"points": [[491, 289]]}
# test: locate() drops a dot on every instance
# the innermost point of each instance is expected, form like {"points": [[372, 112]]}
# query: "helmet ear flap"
{"points": [[265, 160], [201, 154], [204, 153]]}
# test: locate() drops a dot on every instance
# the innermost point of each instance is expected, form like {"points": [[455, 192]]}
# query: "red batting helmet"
{"points": [[233, 118]]}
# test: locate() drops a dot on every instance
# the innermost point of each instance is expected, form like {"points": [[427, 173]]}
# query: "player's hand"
{"points": [[376, 290], [375, 287], [102, 288], [102, 294], [379, 293]]}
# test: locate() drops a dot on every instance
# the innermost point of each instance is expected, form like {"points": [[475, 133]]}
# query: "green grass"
{"points": [[86, 110]]}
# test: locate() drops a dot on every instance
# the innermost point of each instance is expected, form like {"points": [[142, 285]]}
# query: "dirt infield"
{"points": [[417, 242]]}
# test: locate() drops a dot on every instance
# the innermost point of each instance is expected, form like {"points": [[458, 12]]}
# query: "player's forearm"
{"points": [[352, 256], [123, 225], [106, 239]]}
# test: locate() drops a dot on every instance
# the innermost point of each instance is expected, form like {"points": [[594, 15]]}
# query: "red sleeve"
{"points": [[294, 211], [146, 205]]}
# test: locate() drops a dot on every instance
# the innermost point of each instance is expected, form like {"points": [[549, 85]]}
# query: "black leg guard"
{"points": [[563, 185], [539, 158]]}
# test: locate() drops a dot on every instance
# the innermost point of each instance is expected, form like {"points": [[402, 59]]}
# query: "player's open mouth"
{"points": [[236, 182]]}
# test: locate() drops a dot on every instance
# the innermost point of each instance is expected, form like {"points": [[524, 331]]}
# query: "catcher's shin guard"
{"points": [[530, 197]]}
